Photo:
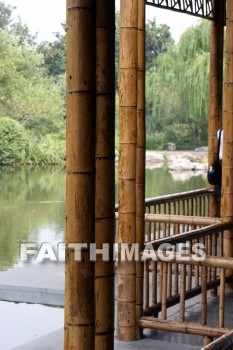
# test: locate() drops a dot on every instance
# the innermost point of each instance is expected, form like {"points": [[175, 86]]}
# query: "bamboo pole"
{"points": [[127, 323], [80, 197], [154, 282], [215, 91], [164, 268], [140, 156], [182, 292], [169, 281], [211, 261], [105, 172], [227, 161], [146, 285], [224, 342], [182, 219], [182, 327], [203, 295], [222, 298], [207, 340]]}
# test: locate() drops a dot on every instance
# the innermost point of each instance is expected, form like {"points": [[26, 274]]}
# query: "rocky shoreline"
{"points": [[178, 160]]}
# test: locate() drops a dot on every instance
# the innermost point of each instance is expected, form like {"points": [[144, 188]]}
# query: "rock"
{"points": [[201, 149], [170, 157], [154, 157], [201, 166], [188, 155], [170, 146], [182, 164]]}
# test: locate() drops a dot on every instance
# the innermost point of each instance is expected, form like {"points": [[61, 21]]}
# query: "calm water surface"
{"points": [[32, 204]]}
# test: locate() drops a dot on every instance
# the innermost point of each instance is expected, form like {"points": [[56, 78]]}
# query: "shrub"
{"points": [[13, 142], [180, 134], [51, 149], [156, 141]]}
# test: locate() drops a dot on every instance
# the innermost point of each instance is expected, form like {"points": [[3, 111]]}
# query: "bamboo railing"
{"points": [[182, 325], [167, 283], [225, 342], [212, 239], [190, 203], [167, 215]]}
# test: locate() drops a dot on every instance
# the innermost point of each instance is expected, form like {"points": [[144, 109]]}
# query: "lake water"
{"points": [[32, 204]]}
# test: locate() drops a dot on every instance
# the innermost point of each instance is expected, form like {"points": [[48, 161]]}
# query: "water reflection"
{"points": [[32, 209], [160, 181], [33, 205]]}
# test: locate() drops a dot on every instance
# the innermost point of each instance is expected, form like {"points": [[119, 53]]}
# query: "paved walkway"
{"points": [[34, 283], [54, 341]]}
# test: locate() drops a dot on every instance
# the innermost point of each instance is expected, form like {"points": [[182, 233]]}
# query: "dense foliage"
{"points": [[13, 142], [177, 90], [32, 88], [29, 92]]}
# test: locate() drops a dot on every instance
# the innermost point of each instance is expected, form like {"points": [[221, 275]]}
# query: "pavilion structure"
{"points": [[146, 287]]}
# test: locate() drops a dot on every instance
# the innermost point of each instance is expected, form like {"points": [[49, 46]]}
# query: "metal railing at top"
{"points": [[199, 8]]}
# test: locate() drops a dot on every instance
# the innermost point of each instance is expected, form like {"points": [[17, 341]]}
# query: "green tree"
{"points": [[54, 55], [177, 89], [158, 39], [194, 58], [26, 94], [13, 142], [16, 28]]}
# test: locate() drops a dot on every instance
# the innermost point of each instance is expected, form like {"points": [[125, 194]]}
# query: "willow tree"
{"points": [[194, 76], [181, 102]]}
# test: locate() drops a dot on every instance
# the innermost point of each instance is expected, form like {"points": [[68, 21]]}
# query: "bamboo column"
{"points": [[215, 92], [227, 162], [105, 172], [140, 168], [80, 195], [127, 167]]}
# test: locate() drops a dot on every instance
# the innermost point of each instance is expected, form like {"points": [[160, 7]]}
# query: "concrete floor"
{"points": [[38, 283], [54, 341]]}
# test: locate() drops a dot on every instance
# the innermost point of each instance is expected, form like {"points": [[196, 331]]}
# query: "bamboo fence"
{"points": [[181, 325]]}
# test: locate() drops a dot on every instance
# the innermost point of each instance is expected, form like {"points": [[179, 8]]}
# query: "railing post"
{"points": [[227, 162], [127, 323], [215, 92], [105, 172], [80, 195]]}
